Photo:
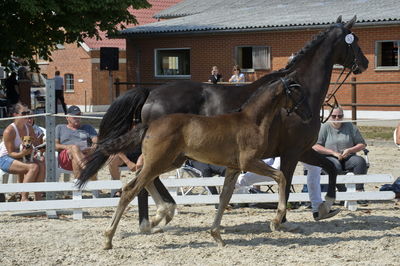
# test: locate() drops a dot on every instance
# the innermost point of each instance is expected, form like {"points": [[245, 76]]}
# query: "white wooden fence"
{"points": [[78, 203]]}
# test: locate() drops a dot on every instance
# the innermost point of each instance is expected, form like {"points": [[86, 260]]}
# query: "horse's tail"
{"points": [[104, 149], [120, 116]]}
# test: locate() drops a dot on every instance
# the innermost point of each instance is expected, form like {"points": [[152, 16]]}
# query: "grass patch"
{"points": [[382, 133]]}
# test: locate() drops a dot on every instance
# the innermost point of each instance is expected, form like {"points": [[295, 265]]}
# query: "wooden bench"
{"points": [[78, 203]]}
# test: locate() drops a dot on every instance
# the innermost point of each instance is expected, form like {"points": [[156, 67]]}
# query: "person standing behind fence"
{"points": [[59, 88], [10, 153], [237, 75], [11, 85], [215, 76]]}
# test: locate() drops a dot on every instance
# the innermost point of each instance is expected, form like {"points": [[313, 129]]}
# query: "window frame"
{"points": [[171, 76], [65, 82], [377, 52], [252, 70]]}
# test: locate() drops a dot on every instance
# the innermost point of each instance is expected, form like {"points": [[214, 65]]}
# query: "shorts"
{"points": [[64, 161], [5, 163]]}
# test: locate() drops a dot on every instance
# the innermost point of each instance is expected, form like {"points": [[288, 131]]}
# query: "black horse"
{"points": [[289, 136]]}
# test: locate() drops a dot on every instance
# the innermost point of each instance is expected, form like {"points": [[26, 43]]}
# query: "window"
{"points": [[251, 58], [69, 82], [172, 62], [387, 54]]}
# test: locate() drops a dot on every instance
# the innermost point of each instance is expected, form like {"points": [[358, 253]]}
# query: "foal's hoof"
{"points": [[107, 246], [217, 237]]}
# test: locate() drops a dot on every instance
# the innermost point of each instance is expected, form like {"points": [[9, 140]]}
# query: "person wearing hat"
{"points": [[74, 141]]}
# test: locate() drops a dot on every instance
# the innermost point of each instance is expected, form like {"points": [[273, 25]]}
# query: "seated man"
{"points": [[74, 142]]}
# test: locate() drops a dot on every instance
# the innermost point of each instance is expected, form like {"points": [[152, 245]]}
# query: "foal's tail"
{"points": [[104, 149]]}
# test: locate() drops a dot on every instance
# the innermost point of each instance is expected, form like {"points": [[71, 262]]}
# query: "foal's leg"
{"points": [[226, 194], [130, 190], [261, 168]]}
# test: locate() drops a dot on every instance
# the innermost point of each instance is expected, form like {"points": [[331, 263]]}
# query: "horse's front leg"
{"points": [[226, 194], [288, 165], [314, 158]]}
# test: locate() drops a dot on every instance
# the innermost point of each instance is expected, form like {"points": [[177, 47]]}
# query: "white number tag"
{"points": [[349, 38]]}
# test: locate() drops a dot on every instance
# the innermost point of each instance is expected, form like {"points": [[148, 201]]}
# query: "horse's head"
{"points": [[296, 100], [346, 49]]}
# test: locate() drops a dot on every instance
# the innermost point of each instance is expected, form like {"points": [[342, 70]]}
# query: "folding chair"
{"points": [[191, 172]]}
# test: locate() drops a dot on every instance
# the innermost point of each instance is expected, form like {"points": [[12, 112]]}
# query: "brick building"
{"points": [[79, 63], [260, 35]]}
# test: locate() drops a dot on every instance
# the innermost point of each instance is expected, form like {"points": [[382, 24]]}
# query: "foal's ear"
{"points": [[350, 24], [339, 19]]}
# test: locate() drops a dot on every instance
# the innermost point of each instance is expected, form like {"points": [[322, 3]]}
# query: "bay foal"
{"points": [[235, 140]]}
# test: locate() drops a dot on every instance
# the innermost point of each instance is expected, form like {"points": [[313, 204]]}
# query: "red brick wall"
{"points": [[209, 50]]}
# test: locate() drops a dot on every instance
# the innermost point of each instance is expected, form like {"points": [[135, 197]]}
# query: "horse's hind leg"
{"points": [[259, 167], [226, 194], [165, 209], [130, 190]]}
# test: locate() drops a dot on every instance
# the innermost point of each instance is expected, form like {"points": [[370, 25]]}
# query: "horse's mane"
{"points": [[290, 67]]}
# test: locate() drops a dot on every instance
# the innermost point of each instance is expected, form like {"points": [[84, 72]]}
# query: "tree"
{"points": [[35, 27]]}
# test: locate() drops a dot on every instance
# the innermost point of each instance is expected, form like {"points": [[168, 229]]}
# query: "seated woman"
{"points": [[11, 155], [340, 142], [237, 75]]}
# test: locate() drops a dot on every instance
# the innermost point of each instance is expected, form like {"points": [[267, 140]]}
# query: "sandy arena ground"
{"points": [[368, 236]]}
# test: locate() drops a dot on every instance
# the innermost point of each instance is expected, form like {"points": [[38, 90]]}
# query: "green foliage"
{"points": [[35, 27]]}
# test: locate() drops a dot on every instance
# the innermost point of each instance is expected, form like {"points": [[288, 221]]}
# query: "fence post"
{"points": [[50, 135], [353, 100]]}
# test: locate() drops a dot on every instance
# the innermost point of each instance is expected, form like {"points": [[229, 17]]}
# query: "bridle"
{"points": [[353, 67], [289, 94]]}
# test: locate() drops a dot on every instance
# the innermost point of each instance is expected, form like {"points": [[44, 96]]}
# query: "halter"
{"points": [[353, 67], [288, 92]]}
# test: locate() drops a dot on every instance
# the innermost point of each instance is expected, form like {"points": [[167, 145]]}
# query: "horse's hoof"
{"points": [[145, 227], [328, 202]]}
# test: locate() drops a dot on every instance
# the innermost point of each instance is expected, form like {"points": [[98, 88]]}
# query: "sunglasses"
{"points": [[337, 116], [26, 113]]}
